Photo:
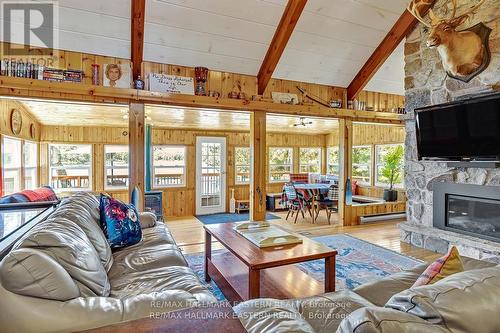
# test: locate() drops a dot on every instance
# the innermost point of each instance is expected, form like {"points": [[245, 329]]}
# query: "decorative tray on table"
{"points": [[262, 234]]}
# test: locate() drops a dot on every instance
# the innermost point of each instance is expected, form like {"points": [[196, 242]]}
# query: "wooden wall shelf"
{"points": [[37, 89]]}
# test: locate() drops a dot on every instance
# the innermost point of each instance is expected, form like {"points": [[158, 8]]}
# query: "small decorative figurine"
{"points": [[139, 83]]}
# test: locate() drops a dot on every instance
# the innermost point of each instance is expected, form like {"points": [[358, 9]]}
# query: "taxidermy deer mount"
{"points": [[465, 53]]}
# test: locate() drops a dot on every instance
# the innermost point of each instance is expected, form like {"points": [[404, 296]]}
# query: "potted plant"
{"points": [[392, 171]]}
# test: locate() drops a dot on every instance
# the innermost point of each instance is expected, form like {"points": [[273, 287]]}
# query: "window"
{"points": [[12, 157], [242, 165], [332, 161], [361, 164], [116, 167], [169, 166], [310, 160], [70, 167], [387, 155], [280, 164], [30, 165]]}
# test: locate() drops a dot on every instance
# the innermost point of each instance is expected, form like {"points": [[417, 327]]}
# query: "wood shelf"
{"points": [[74, 92]]}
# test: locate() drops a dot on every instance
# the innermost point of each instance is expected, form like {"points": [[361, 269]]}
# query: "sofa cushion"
{"points": [[33, 273], [445, 266], [120, 222], [382, 320], [462, 302], [147, 219], [84, 220], [380, 291], [159, 280], [67, 244], [319, 314]]}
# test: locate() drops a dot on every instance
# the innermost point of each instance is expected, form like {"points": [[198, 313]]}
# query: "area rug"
{"points": [[229, 218], [357, 262]]}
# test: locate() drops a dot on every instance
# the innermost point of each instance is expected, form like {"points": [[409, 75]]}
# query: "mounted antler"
{"points": [[469, 12], [415, 8]]}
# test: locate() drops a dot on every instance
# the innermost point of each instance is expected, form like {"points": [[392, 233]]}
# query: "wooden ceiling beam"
{"points": [[137, 44], [281, 36], [403, 26]]}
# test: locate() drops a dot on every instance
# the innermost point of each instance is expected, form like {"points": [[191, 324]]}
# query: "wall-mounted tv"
{"points": [[464, 130]]}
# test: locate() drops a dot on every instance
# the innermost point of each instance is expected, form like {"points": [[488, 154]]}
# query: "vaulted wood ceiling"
{"points": [[329, 45], [74, 114]]}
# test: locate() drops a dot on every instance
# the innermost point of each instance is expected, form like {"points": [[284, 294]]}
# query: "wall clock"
{"points": [[16, 121]]}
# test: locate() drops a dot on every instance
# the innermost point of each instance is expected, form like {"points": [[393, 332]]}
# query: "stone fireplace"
{"points": [[426, 83]]}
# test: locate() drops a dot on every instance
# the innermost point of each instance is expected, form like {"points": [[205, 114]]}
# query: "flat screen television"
{"points": [[467, 130]]}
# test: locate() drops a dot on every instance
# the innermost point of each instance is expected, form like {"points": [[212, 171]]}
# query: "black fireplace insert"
{"points": [[468, 209]]}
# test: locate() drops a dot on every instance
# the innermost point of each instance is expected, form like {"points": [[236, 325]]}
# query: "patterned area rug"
{"points": [[358, 262], [229, 218]]}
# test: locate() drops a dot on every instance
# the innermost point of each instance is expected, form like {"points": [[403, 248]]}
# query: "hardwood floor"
{"points": [[189, 234]]}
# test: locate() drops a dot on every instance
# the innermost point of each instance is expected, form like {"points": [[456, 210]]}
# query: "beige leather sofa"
{"points": [[467, 302], [62, 276]]}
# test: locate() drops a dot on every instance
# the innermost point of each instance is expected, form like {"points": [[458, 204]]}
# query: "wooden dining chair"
{"points": [[293, 202], [329, 204]]}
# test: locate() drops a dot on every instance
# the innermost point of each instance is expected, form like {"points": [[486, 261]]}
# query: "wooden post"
{"points": [[345, 161], [136, 149], [257, 165]]}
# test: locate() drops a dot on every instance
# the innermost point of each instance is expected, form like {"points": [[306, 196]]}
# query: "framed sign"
{"points": [[171, 84]]}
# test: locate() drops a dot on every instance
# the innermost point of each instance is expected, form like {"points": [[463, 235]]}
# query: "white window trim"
{"points": [[90, 168], [310, 164], [377, 183], [236, 182], [328, 149], [269, 164], [153, 175], [106, 186], [19, 169], [370, 163], [36, 167]]}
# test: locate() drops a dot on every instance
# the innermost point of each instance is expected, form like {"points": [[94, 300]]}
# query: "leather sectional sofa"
{"points": [[467, 302], [61, 276]]}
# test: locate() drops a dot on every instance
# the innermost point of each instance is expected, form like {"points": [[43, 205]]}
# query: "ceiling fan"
{"points": [[302, 122]]}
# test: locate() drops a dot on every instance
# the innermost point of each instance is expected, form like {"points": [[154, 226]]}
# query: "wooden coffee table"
{"points": [[238, 273]]}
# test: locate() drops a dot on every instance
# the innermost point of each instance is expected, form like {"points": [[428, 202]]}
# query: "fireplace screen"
{"points": [[474, 215]]}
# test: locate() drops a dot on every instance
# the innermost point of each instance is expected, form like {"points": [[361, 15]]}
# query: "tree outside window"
{"points": [[70, 167], [280, 164], [242, 165], [332, 161], [310, 160], [169, 166], [361, 164]]}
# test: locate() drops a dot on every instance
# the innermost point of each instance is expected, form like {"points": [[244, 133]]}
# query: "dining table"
{"points": [[309, 193]]}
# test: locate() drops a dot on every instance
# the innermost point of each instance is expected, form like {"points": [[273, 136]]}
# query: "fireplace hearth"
{"points": [[467, 209]]}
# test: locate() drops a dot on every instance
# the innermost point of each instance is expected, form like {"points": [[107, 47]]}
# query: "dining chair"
{"points": [[293, 202], [329, 204]]}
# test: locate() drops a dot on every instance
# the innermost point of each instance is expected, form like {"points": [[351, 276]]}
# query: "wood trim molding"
{"points": [[403, 26], [137, 44], [281, 36], [46, 90], [258, 175], [136, 148]]}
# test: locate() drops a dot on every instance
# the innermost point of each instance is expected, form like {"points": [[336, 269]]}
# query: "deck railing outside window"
{"points": [[169, 166], [70, 167], [280, 164]]}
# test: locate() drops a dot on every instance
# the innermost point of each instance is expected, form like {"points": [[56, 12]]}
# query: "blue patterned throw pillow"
{"points": [[120, 222]]}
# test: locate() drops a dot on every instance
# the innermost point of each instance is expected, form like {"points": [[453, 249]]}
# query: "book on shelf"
{"points": [[30, 70]]}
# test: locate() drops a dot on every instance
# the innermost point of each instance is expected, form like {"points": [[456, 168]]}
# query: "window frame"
{"points": [[310, 164], [290, 149], [19, 169], [377, 164], [369, 164], [111, 187], [236, 182], [328, 149], [90, 188], [36, 167], [153, 174]]}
